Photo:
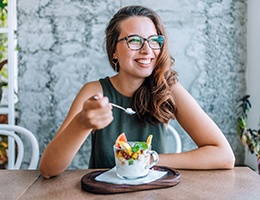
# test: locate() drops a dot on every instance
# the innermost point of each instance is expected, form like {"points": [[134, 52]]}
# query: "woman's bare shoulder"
{"points": [[91, 88]]}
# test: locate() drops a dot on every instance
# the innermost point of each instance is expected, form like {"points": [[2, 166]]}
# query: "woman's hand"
{"points": [[96, 112]]}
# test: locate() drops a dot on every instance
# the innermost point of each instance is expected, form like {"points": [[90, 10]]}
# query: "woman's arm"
{"points": [[84, 115], [213, 152]]}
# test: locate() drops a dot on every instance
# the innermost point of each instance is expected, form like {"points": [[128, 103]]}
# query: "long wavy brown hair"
{"points": [[153, 101]]}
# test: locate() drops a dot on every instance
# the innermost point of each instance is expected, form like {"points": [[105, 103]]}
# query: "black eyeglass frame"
{"points": [[143, 40]]}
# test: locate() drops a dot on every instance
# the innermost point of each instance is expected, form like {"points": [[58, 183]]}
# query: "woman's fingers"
{"points": [[97, 112]]}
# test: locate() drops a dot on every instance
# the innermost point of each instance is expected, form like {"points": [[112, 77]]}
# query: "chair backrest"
{"points": [[173, 134], [14, 131]]}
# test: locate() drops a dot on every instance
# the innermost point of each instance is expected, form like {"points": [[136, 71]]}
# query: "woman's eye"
{"points": [[134, 40], [154, 40]]}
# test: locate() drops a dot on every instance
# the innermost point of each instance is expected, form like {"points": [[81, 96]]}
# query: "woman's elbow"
{"points": [[47, 170], [47, 174], [44, 172], [229, 164], [229, 161], [232, 161]]}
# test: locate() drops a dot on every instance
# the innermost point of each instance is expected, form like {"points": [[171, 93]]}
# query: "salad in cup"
{"points": [[133, 158]]}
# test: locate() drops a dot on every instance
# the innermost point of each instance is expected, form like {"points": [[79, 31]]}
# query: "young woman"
{"points": [[137, 49]]}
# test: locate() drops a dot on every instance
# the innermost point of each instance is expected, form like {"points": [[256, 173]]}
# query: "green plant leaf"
{"points": [[248, 136]]}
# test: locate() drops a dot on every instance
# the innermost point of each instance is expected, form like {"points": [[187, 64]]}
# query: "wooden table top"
{"points": [[239, 183]]}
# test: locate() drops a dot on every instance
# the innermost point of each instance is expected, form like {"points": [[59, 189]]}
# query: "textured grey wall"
{"points": [[61, 47]]}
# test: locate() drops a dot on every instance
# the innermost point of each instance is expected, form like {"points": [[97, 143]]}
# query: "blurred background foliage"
{"points": [[3, 75]]}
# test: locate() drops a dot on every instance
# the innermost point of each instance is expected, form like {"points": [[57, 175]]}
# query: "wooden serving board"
{"points": [[89, 184]]}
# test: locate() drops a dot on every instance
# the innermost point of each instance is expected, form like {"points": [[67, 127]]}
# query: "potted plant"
{"points": [[3, 78], [249, 137], [3, 46]]}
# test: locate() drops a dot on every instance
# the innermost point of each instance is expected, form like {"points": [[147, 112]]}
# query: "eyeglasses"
{"points": [[136, 42]]}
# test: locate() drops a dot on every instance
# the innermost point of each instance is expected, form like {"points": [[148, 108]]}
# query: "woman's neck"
{"points": [[126, 85]]}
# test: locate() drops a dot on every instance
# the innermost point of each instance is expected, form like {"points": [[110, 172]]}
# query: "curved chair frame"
{"points": [[177, 138], [11, 131]]}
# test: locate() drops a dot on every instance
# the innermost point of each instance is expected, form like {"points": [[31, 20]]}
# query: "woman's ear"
{"points": [[114, 56]]}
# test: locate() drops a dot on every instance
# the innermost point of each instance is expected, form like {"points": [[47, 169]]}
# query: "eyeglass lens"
{"points": [[137, 42]]}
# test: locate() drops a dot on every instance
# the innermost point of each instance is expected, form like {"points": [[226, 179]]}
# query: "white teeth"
{"points": [[142, 61]]}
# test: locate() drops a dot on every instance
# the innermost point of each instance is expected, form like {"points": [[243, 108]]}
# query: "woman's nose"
{"points": [[146, 48]]}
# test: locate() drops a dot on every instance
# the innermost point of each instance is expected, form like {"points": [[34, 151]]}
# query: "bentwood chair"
{"points": [[15, 131], [173, 135]]}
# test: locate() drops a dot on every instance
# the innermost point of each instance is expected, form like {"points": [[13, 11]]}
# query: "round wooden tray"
{"points": [[89, 184]]}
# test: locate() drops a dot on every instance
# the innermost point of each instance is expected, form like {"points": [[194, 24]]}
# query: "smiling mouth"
{"points": [[144, 61]]}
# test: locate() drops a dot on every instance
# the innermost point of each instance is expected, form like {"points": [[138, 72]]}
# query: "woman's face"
{"points": [[138, 63]]}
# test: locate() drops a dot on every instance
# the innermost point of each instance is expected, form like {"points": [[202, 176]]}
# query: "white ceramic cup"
{"points": [[134, 168]]}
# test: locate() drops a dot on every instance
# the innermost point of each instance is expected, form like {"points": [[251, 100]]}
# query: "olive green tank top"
{"points": [[102, 155]]}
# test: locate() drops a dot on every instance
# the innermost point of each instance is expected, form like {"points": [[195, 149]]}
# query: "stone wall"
{"points": [[61, 47]]}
